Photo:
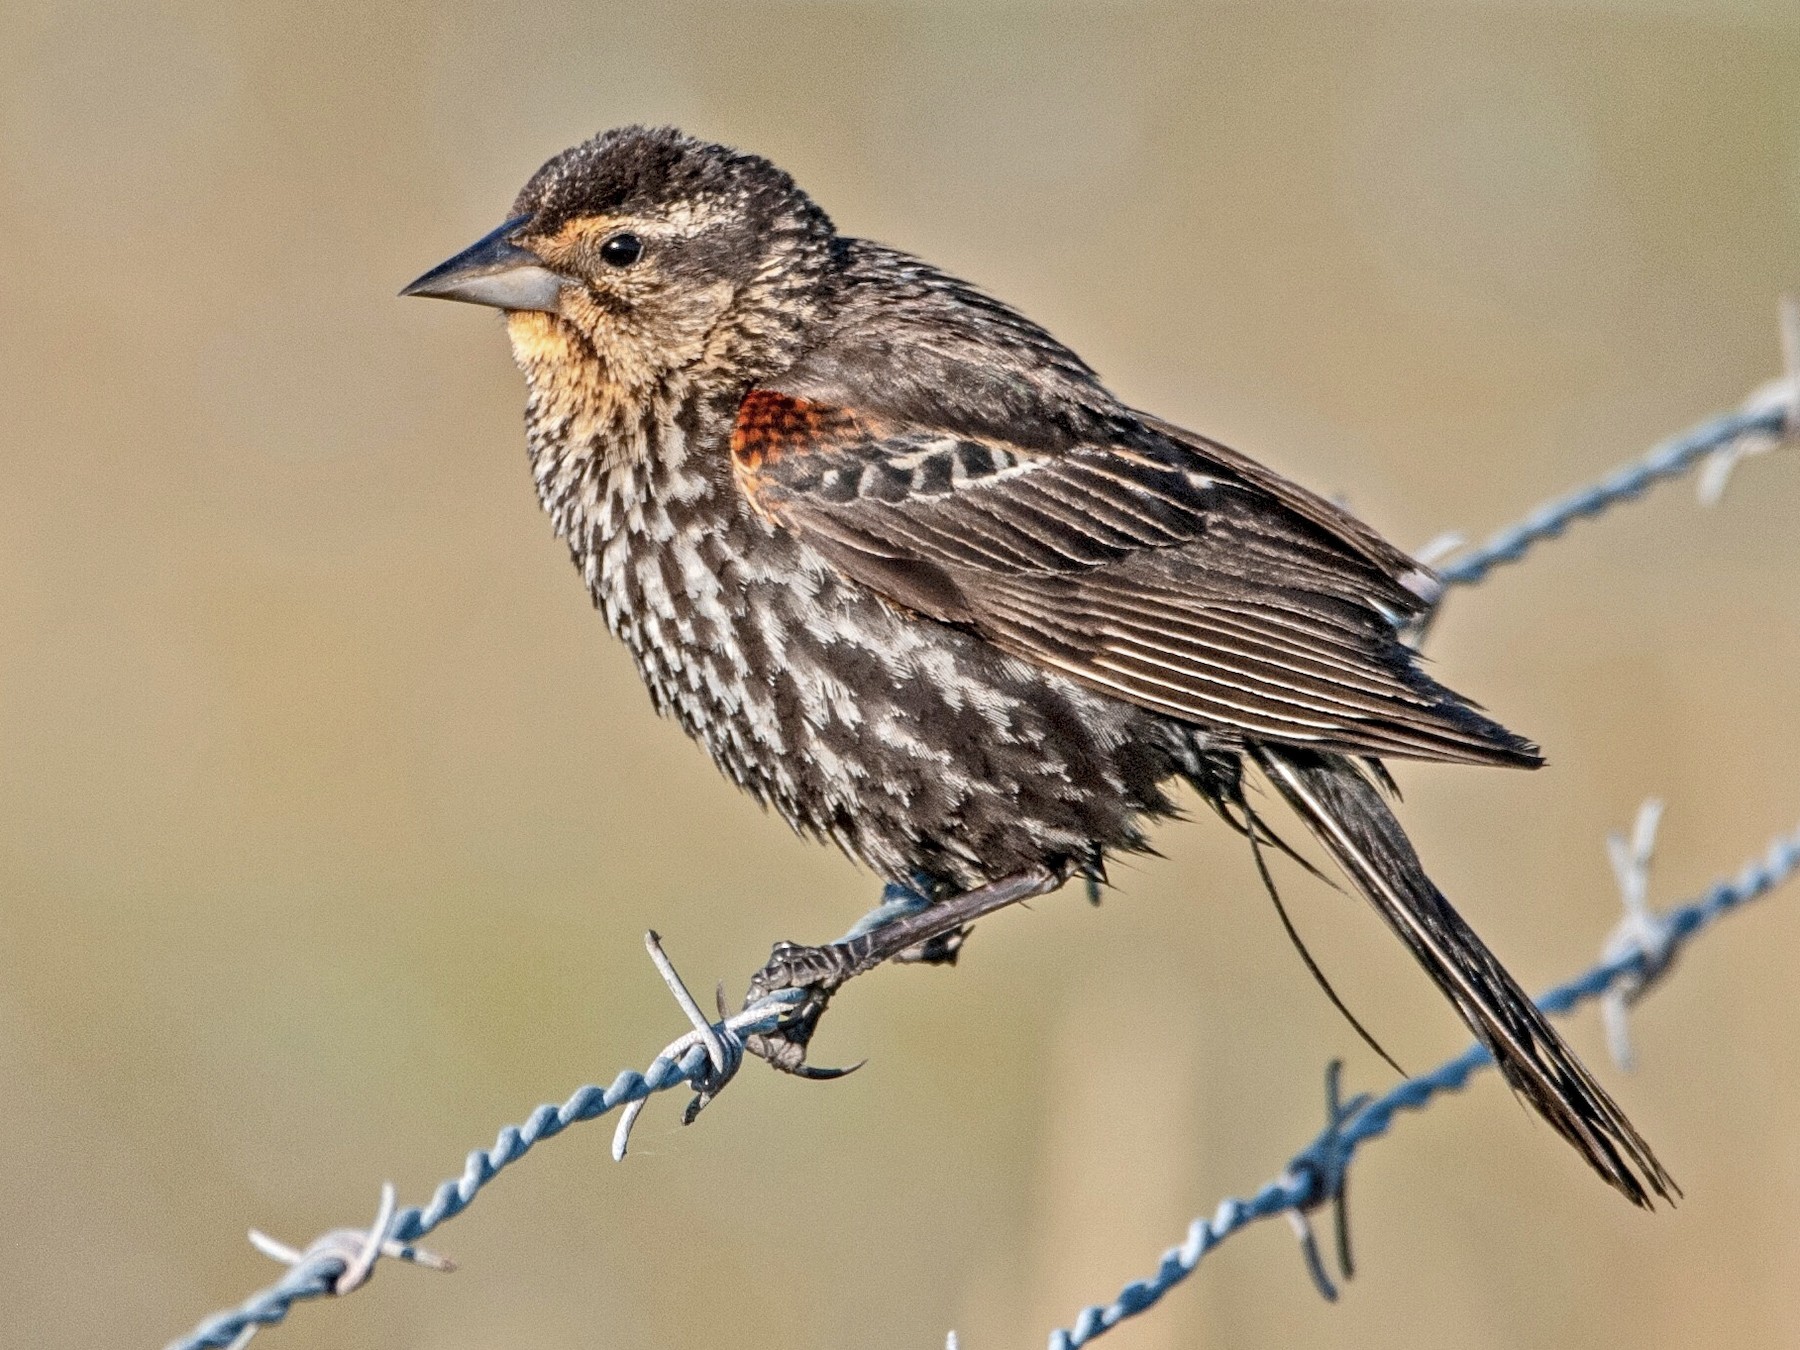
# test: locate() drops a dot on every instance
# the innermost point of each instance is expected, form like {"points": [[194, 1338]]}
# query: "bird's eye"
{"points": [[621, 250]]}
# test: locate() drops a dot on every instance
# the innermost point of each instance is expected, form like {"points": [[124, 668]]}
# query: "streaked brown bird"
{"points": [[918, 581]]}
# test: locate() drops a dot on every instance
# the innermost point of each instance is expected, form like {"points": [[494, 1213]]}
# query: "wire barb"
{"points": [[1316, 1174], [1319, 1174], [344, 1258], [1642, 933], [1767, 418], [1360, 1120], [1780, 397], [314, 1279], [724, 1051]]}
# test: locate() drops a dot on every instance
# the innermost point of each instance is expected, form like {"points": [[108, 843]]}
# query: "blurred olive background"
{"points": [[330, 816]]}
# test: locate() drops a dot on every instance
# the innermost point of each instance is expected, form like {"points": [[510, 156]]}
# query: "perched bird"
{"points": [[914, 578]]}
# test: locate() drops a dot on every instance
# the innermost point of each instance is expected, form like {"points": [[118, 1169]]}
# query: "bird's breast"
{"points": [[908, 742], [711, 602]]}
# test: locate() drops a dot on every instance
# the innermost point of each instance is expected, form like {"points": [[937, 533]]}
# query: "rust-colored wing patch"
{"points": [[773, 427], [770, 425]]}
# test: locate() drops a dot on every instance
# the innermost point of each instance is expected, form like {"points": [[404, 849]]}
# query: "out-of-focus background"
{"points": [[330, 816]]}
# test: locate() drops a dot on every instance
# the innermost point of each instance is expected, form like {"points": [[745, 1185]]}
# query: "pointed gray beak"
{"points": [[494, 271]]}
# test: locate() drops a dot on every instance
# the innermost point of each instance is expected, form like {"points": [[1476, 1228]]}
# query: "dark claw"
{"points": [[822, 1075], [782, 1053], [785, 1047]]}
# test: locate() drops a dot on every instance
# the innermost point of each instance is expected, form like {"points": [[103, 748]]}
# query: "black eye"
{"points": [[621, 250]]}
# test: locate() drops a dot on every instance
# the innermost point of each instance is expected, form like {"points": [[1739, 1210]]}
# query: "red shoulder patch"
{"points": [[770, 425]]}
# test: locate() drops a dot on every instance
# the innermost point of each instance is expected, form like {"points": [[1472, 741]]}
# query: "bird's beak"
{"points": [[494, 271]]}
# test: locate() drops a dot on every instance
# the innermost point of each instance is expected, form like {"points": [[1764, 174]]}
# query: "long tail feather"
{"points": [[1350, 819]]}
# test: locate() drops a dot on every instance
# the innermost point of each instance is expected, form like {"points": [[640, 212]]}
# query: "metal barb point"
{"points": [[362, 1264], [1431, 588], [1337, 1115], [1781, 394], [354, 1250], [1321, 1170], [1309, 1249], [709, 1037], [724, 1049], [1642, 933]]}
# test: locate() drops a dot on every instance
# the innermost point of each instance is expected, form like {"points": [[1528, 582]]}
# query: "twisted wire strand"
{"points": [[1673, 458], [317, 1274], [1317, 1171]]}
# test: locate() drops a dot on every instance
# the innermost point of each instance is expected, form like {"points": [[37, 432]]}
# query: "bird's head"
{"points": [[643, 252]]}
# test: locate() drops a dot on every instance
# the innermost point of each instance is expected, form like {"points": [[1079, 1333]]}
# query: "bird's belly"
{"points": [[915, 746]]}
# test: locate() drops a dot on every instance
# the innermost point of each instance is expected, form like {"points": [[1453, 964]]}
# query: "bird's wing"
{"points": [[1147, 563]]}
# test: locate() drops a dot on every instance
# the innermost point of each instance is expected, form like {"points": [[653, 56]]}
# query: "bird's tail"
{"points": [[1348, 815]]}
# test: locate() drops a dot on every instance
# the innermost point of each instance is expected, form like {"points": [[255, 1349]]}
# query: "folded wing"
{"points": [[1152, 565]]}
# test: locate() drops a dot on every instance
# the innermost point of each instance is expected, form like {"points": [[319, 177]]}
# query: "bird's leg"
{"points": [[900, 900], [822, 971]]}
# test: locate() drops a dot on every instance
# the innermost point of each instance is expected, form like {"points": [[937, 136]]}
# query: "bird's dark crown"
{"points": [[637, 170]]}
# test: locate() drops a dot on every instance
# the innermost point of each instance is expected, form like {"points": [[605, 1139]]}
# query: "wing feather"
{"points": [[1159, 568]]}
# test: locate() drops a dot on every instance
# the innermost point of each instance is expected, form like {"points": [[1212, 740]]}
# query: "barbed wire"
{"points": [[1716, 447], [342, 1260], [709, 1055], [1316, 1175]]}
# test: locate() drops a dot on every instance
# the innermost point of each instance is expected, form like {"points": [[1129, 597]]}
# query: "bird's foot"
{"points": [[821, 972], [908, 927]]}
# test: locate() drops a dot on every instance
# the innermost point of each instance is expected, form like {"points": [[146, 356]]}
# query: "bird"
{"points": [[921, 584]]}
